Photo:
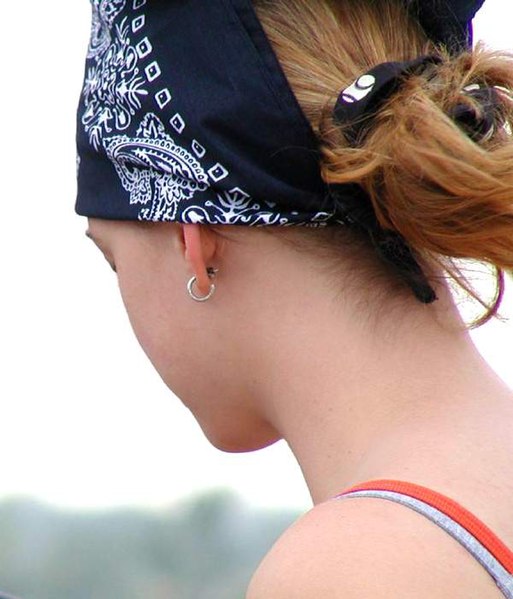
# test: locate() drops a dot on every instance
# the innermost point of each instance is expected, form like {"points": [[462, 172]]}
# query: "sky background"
{"points": [[85, 421]]}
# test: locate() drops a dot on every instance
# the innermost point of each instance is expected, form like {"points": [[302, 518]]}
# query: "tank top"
{"points": [[462, 525]]}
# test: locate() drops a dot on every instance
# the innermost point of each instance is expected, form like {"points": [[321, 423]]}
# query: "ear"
{"points": [[200, 244]]}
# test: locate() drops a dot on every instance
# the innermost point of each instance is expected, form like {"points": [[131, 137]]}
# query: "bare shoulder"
{"points": [[367, 548]]}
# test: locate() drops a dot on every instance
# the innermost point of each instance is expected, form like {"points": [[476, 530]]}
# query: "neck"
{"points": [[354, 407]]}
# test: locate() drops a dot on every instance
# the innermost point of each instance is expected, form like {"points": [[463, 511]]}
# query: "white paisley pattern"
{"points": [[161, 176], [113, 84], [104, 13], [233, 207], [158, 173]]}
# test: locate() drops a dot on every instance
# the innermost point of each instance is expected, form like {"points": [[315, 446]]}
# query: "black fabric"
{"points": [[447, 21], [186, 115]]}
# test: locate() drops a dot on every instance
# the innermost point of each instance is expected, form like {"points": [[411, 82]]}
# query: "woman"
{"points": [[207, 133]]}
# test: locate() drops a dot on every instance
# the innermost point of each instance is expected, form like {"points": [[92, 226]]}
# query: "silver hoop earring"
{"points": [[211, 274]]}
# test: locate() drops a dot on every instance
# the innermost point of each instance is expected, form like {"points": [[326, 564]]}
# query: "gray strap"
{"points": [[501, 576]]}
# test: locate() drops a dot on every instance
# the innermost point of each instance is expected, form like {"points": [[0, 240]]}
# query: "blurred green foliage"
{"points": [[206, 548]]}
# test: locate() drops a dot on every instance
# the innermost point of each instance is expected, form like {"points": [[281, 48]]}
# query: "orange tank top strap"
{"points": [[462, 525]]}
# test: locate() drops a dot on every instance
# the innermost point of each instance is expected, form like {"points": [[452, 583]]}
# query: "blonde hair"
{"points": [[447, 195]]}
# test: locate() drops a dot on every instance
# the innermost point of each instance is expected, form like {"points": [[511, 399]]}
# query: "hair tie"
{"points": [[477, 124], [359, 102]]}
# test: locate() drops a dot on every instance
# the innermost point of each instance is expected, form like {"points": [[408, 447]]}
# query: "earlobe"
{"points": [[199, 250]]}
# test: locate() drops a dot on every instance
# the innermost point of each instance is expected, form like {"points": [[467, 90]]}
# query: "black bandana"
{"points": [[186, 115], [447, 21]]}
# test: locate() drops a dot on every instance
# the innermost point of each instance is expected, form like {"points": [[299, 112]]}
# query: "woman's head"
{"points": [[425, 179]]}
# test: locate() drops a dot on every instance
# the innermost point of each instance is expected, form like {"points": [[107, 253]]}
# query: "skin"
{"points": [[275, 354]]}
